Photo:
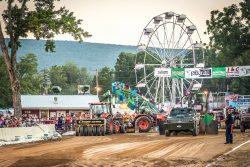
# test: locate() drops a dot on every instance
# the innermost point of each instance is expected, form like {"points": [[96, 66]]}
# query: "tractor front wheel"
{"points": [[144, 124]]}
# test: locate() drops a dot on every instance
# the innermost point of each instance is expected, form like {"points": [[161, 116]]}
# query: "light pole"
{"points": [[205, 117], [206, 93], [97, 86]]}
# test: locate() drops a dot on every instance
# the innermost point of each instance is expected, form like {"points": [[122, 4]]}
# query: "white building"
{"points": [[46, 106]]}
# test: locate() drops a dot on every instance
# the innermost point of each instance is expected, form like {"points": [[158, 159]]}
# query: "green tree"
{"points": [[43, 21], [72, 73], [58, 77], [229, 32], [68, 77], [28, 75], [85, 78], [124, 68]]}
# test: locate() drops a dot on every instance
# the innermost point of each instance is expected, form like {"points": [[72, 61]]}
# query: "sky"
{"points": [[122, 21]]}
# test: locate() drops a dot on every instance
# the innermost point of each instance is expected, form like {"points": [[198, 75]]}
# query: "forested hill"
{"points": [[89, 55]]}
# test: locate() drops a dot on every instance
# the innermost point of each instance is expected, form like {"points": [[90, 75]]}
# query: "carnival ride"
{"points": [[146, 114], [168, 41]]}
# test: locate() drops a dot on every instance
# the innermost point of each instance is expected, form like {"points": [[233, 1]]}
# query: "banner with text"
{"points": [[178, 73], [219, 72], [244, 71], [193, 73], [162, 72], [232, 71]]}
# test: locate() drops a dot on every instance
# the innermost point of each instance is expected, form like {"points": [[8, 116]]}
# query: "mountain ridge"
{"points": [[87, 54]]}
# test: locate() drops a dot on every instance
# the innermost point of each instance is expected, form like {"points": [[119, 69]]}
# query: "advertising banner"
{"points": [[178, 73], [232, 71], [244, 71], [162, 72], [198, 73], [219, 72]]}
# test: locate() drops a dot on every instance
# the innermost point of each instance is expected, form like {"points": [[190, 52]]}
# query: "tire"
{"points": [[102, 130], [116, 127], [90, 130], [161, 128], [81, 130], [242, 129], [98, 132], [94, 131], [167, 133], [196, 130], [109, 125], [77, 131], [85, 131], [144, 124]]}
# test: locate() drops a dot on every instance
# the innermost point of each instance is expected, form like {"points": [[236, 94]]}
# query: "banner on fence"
{"points": [[219, 72], [244, 71], [193, 73], [178, 73], [162, 72], [232, 71]]}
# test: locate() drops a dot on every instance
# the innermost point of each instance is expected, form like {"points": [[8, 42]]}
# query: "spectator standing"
{"points": [[68, 121], [2, 122], [229, 127]]}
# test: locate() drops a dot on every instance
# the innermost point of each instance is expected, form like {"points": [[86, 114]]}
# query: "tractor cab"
{"points": [[97, 121], [100, 109]]}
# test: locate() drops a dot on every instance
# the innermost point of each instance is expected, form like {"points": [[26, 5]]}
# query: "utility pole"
{"points": [[97, 86]]}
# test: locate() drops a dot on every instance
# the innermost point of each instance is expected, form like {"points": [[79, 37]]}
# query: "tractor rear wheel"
{"points": [[109, 125], [144, 124], [161, 127], [116, 126]]}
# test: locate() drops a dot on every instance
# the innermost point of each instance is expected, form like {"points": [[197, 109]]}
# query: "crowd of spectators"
{"points": [[9, 121], [62, 122]]}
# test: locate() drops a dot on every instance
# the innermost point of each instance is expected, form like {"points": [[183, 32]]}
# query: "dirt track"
{"points": [[149, 149]]}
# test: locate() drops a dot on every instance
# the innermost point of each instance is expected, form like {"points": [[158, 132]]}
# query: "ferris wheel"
{"points": [[168, 41]]}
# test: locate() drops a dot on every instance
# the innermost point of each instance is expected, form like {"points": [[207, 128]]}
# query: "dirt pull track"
{"points": [[147, 149]]}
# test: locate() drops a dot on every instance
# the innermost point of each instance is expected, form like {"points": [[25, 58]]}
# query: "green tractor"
{"points": [[99, 121]]}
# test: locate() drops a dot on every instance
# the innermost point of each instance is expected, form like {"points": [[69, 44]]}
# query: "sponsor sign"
{"points": [[198, 73], [178, 73], [139, 66], [140, 85], [232, 71], [162, 72], [244, 71], [219, 72]]}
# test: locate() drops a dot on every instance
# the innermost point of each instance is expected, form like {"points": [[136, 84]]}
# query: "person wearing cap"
{"points": [[229, 127]]}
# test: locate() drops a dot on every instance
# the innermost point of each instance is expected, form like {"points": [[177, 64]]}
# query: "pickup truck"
{"points": [[245, 119]]}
